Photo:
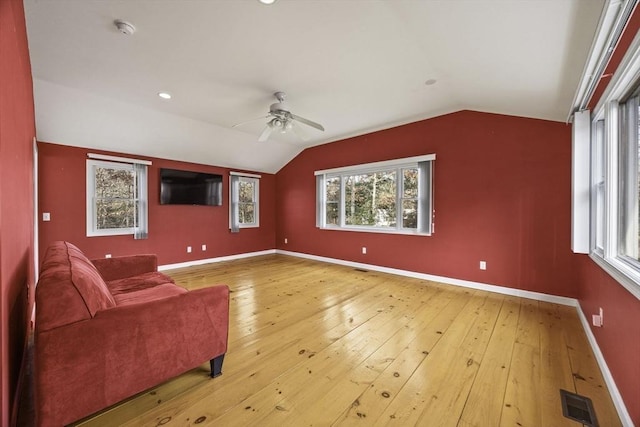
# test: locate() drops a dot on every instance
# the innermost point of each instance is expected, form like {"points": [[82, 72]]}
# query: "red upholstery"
{"points": [[94, 348]]}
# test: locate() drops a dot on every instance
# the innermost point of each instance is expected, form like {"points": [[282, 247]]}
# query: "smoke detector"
{"points": [[124, 27]]}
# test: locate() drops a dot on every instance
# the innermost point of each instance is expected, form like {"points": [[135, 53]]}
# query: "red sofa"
{"points": [[110, 328]]}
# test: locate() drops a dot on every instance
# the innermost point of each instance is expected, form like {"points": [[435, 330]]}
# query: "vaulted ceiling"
{"points": [[355, 66]]}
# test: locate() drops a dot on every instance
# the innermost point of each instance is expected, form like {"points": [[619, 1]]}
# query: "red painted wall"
{"points": [[17, 130], [502, 195], [62, 193]]}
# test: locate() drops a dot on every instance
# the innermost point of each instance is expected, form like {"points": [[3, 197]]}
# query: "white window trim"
{"points": [[118, 159], [342, 172], [92, 231], [625, 79], [367, 167], [596, 164], [613, 20]]}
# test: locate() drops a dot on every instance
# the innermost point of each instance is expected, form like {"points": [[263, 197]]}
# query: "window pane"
{"points": [[629, 160], [333, 213], [409, 213], [600, 216], [246, 213], [410, 183], [370, 199], [115, 194], [246, 192], [333, 189], [112, 213], [115, 183], [599, 185]]}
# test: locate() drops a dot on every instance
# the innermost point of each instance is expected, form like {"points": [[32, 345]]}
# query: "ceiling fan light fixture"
{"points": [[279, 117]]}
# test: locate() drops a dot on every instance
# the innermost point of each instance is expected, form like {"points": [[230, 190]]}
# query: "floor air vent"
{"points": [[578, 408], [362, 270]]}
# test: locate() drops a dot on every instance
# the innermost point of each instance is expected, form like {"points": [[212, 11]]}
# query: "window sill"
{"points": [[105, 233], [376, 230], [622, 273]]}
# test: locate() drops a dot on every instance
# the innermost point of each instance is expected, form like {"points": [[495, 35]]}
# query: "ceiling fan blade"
{"points": [[307, 122], [265, 134], [249, 121], [300, 134]]}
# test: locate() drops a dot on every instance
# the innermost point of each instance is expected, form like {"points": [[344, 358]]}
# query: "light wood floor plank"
{"points": [[521, 400], [315, 344], [555, 367], [485, 402]]}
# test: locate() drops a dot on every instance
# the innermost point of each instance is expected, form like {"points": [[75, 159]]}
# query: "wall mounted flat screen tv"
{"points": [[178, 187]]}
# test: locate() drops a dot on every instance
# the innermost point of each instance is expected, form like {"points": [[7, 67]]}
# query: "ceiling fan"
{"points": [[280, 118]]}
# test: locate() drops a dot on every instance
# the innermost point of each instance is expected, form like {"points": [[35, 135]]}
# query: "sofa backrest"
{"points": [[69, 289]]}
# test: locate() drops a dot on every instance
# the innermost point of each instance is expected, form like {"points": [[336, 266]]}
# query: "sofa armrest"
{"points": [[127, 349], [125, 266]]}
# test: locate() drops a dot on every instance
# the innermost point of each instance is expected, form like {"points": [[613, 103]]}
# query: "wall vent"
{"points": [[578, 408]]}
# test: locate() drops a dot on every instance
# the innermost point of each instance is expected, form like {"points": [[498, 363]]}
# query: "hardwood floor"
{"points": [[315, 344]]}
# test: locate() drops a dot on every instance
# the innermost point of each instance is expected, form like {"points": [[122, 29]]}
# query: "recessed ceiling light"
{"points": [[124, 27], [164, 95], [267, 1]]}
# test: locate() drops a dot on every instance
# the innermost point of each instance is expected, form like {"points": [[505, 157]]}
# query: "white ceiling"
{"points": [[353, 65]]}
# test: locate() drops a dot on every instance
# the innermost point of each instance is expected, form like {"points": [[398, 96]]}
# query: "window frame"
{"points": [[598, 184], [140, 201], [398, 165], [256, 202], [623, 86], [234, 200]]}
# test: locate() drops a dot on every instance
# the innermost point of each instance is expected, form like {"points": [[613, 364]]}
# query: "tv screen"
{"points": [[178, 187]]}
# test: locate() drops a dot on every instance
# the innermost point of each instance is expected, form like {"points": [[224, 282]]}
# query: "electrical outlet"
{"points": [[364, 250], [188, 249], [46, 216], [107, 255], [286, 240], [204, 248], [596, 320], [483, 265]]}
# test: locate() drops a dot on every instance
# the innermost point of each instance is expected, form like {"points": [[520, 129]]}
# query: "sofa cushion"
{"points": [[72, 287], [150, 294], [137, 283]]}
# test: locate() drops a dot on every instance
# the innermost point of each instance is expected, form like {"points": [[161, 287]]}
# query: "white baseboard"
{"points": [[212, 260], [448, 280], [606, 373]]}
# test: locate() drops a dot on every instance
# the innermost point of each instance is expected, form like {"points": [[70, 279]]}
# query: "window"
{"points": [[615, 176], [628, 178], [392, 197], [245, 201], [116, 198]]}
